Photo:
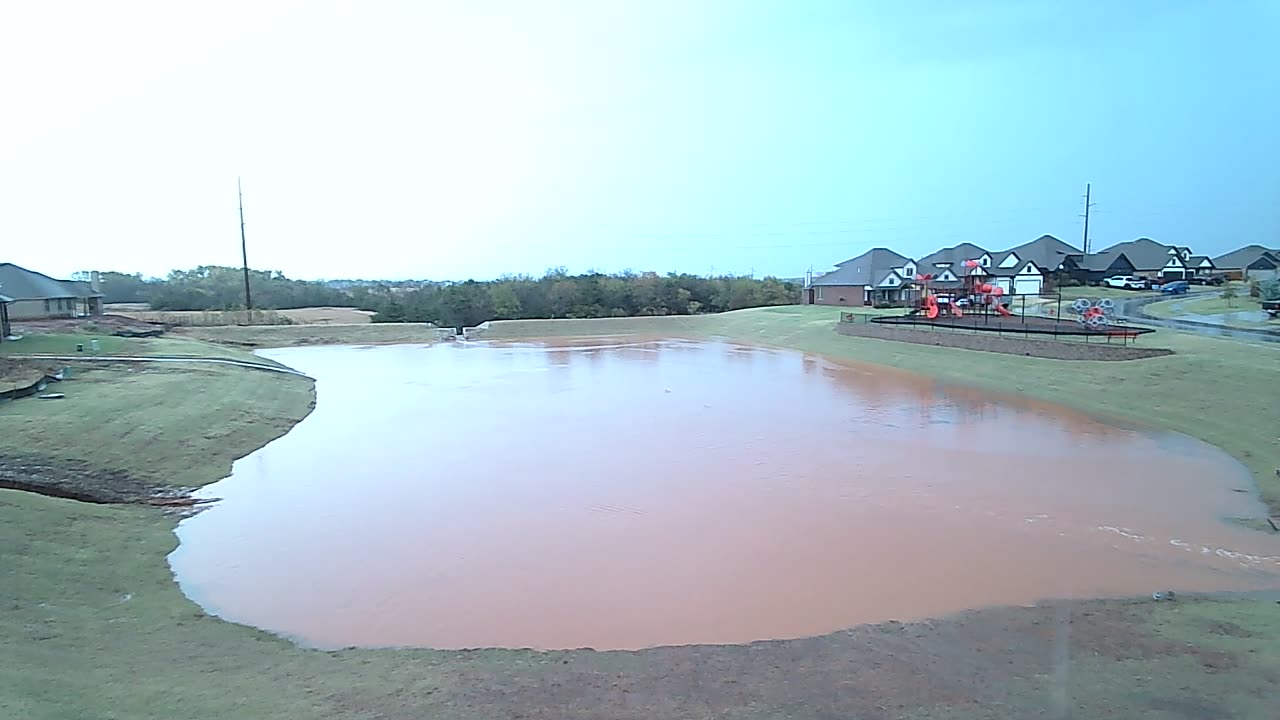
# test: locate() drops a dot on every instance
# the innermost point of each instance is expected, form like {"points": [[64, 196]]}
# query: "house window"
{"points": [[47, 306], [819, 292]]}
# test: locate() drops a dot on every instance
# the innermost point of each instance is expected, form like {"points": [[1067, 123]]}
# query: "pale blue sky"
{"points": [[471, 139]]}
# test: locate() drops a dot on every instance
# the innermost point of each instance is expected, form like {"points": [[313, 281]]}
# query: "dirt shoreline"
{"points": [[78, 481]]}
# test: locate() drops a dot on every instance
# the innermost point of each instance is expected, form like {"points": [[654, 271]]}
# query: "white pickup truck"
{"points": [[1126, 282]]}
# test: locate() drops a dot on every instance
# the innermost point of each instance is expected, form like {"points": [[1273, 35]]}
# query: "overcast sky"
{"points": [[469, 139]]}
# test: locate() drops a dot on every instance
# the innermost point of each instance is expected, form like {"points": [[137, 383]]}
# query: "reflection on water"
{"points": [[622, 495]]}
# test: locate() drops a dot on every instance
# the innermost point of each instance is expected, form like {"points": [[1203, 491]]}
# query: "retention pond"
{"points": [[630, 494]]}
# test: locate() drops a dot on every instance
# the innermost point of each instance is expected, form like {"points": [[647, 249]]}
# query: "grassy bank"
{"points": [[161, 424], [259, 336], [1211, 304], [108, 345], [93, 625]]}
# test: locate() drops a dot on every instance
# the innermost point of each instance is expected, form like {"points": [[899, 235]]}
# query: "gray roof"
{"points": [[5, 299], [879, 257], [1144, 254], [1195, 260], [953, 255], [1245, 256], [869, 268], [1046, 251], [19, 283]]}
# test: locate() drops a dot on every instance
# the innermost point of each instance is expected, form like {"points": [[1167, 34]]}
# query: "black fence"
{"points": [[982, 320]]}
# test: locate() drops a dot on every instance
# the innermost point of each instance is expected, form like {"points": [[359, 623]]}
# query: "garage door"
{"points": [[1026, 286]]}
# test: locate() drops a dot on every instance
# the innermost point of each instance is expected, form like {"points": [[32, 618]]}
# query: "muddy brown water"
{"points": [[624, 495]]}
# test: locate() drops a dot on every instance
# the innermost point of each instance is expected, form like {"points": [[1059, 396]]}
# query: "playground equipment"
{"points": [[991, 295], [1094, 314], [929, 303]]}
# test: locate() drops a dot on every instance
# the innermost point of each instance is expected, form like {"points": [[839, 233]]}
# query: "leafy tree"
{"points": [[1229, 294]]}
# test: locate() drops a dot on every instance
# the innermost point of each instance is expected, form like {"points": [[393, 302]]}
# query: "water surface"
{"points": [[625, 495]]}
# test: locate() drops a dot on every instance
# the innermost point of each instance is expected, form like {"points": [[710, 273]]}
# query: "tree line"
{"points": [[556, 294]]}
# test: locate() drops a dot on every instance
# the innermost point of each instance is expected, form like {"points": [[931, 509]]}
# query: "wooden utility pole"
{"points": [[244, 251], [1087, 205]]}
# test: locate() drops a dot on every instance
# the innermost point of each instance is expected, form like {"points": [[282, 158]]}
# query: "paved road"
{"points": [[1131, 310], [164, 358]]}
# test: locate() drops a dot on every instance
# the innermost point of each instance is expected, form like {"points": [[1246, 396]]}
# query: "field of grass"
{"points": [[259, 336], [1210, 303], [165, 424], [108, 345], [92, 624], [1085, 291]]}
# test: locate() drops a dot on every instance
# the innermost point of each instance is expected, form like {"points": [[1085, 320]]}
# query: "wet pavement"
{"points": [[627, 495]]}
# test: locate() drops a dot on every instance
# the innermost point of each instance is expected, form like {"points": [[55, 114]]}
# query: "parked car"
{"points": [[1177, 287], [1125, 282], [1207, 280]]}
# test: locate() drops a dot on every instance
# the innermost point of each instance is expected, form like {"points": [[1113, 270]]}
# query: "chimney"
{"points": [[95, 281]]}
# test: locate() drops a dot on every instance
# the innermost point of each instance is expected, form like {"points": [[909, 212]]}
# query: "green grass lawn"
{"points": [[166, 424], [1211, 303], [1085, 291], [92, 624], [66, 343], [258, 336]]}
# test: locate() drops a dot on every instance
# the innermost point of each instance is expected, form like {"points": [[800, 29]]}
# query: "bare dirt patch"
{"points": [[107, 324], [989, 342], [328, 316], [72, 480], [996, 662]]}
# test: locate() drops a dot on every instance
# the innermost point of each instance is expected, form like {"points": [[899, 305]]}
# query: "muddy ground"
{"points": [[77, 481], [991, 342], [1045, 661]]}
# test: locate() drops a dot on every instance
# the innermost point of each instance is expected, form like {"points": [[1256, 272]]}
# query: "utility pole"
{"points": [[244, 251], [1087, 205]]}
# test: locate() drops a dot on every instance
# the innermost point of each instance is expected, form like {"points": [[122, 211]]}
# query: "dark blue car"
{"points": [[1177, 287]]}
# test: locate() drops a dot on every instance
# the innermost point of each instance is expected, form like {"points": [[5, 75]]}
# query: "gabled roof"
{"points": [[1195, 260], [952, 255], [1144, 254], [1046, 251], [19, 283], [1016, 269], [869, 268], [1246, 256], [879, 257], [1100, 261]]}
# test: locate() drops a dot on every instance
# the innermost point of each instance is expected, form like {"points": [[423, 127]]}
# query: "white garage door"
{"points": [[1026, 286]]}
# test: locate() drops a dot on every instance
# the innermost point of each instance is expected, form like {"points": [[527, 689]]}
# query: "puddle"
{"points": [[628, 495]]}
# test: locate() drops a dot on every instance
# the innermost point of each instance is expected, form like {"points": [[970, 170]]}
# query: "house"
{"points": [[872, 278], [34, 295], [953, 258], [1254, 262], [1201, 265], [1143, 257], [1028, 268]]}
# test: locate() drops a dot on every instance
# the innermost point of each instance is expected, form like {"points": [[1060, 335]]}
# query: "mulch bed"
{"points": [[1009, 345]]}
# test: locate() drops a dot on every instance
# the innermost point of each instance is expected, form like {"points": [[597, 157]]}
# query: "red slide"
{"points": [[995, 292]]}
